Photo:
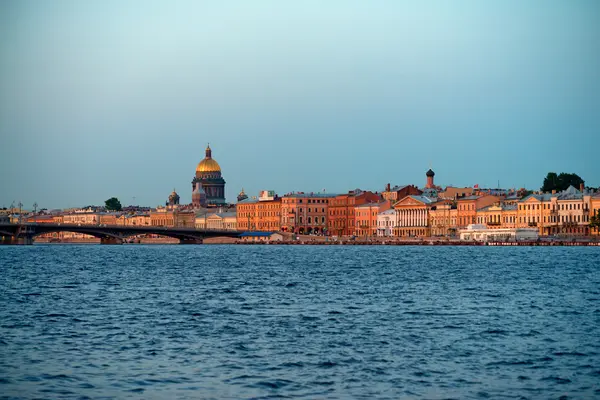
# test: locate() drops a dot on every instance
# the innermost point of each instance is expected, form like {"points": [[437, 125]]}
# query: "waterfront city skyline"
{"points": [[116, 99]]}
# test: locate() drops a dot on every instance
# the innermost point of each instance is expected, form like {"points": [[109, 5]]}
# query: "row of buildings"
{"points": [[407, 211], [399, 211]]}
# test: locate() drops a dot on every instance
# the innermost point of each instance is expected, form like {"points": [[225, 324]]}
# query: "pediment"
{"points": [[532, 200], [409, 201]]}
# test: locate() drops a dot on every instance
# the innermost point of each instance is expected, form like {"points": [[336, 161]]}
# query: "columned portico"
{"points": [[412, 217]]}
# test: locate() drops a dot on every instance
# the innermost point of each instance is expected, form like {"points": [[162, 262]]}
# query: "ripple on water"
{"points": [[298, 321]]}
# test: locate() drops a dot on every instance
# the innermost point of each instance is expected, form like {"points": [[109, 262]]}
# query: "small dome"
{"points": [[430, 173]]}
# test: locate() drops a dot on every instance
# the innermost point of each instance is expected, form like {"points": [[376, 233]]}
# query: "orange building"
{"points": [[108, 219], [341, 220], [467, 208], [40, 219], [256, 215], [366, 217], [305, 212]]}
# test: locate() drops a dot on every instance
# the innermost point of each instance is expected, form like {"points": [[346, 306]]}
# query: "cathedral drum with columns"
{"points": [[208, 186]]}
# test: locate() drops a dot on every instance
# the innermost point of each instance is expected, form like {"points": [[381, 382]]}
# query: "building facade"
{"points": [[386, 221], [412, 216], [256, 215], [366, 217], [467, 208], [169, 217], [225, 221], [342, 220], [442, 217], [305, 213], [595, 211], [565, 213]]}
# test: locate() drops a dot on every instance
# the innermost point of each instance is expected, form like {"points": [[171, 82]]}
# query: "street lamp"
{"points": [[20, 212]]}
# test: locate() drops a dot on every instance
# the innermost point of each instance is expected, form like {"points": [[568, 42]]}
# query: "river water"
{"points": [[335, 322]]}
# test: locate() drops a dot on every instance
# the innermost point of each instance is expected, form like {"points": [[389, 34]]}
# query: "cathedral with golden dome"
{"points": [[208, 186]]}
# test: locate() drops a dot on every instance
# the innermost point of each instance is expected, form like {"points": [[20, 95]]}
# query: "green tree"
{"points": [[560, 182], [113, 204]]}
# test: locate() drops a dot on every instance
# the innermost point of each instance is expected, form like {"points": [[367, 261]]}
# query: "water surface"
{"points": [[335, 322]]}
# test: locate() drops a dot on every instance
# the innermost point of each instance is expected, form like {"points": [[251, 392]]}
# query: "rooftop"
{"points": [[311, 195]]}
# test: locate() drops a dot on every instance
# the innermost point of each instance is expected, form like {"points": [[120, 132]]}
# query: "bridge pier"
{"points": [[19, 240], [110, 240], [190, 241]]}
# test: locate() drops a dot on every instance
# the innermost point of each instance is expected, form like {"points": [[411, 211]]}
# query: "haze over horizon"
{"points": [[103, 99]]}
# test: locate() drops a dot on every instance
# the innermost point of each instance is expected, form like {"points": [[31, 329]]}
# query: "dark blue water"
{"points": [[231, 322]]}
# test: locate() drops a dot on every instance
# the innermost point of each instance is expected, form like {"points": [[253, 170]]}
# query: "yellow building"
{"points": [[226, 221], [595, 211], [443, 219], [134, 220], [498, 216], [566, 213], [169, 217]]}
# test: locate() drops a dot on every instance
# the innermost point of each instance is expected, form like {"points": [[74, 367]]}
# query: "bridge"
{"points": [[108, 234]]}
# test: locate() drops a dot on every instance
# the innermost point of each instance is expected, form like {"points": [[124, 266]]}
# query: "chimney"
{"points": [[387, 188], [581, 187]]}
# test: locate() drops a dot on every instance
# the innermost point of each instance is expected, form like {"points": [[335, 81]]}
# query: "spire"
{"points": [[208, 151]]}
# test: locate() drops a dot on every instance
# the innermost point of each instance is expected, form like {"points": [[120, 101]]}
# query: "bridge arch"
{"points": [[114, 233]]}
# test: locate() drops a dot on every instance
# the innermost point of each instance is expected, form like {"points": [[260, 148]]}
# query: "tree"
{"points": [[113, 204], [560, 182]]}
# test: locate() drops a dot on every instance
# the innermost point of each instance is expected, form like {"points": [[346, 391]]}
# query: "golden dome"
{"points": [[208, 164]]}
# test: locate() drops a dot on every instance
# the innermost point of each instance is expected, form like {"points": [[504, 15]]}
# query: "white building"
{"points": [[222, 221], [385, 223], [481, 233]]}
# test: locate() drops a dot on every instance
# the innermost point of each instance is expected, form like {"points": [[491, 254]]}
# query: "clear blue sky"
{"points": [[119, 98]]}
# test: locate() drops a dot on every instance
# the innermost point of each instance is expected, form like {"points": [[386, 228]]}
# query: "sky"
{"points": [[120, 98]]}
